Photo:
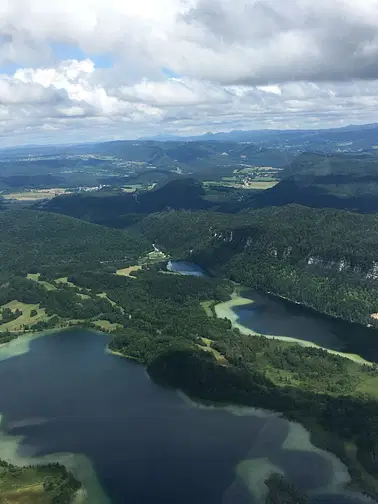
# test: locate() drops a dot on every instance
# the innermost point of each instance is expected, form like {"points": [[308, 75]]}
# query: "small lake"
{"points": [[278, 318], [270, 316], [147, 444], [185, 268]]}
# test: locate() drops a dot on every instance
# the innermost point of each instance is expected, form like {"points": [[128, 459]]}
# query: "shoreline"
{"points": [[254, 470], [79, 465], [279, 297], [225, 310], [109, 351], [21, 345]]}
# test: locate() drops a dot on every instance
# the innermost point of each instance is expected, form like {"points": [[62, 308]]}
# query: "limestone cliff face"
{"points": [[240, 240]]}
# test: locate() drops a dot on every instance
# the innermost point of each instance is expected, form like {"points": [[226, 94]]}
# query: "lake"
{"points": [[133, 441], [185, 268], [257, 313]]}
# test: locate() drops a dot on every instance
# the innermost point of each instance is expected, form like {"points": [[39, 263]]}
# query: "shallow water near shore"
{"points": [[256, 313], [130, 440]]}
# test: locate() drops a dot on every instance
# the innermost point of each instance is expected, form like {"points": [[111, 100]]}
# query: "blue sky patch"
{"points": [[67, 51], [169, 73], [9, 68]]}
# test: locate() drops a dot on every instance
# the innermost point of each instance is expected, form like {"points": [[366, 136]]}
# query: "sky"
{"points": [[92, 70]]}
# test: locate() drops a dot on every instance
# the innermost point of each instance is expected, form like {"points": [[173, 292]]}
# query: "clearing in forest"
{"points": [[26, 318], [128, 271]]}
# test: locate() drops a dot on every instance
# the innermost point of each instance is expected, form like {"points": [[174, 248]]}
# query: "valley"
{"points": [[197, 278], [188, 252]]}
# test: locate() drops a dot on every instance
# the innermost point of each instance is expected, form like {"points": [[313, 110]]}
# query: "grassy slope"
{"points": [[25, 318], [35, 278], [129, 271], [60, 284], [26, 485]]}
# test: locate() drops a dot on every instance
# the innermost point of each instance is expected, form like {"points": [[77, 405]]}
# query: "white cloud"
{"points": [[234, 41], [13, 92], [237, 64], [74, 102], [174, 92], [271, 89]]}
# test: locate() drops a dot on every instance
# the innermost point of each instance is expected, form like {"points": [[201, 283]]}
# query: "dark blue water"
{"points": [[275, 317], [271, 316], [147, 445]]}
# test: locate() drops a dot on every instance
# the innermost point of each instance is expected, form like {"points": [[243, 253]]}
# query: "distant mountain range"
{"points": [[367, 134], [166, 149]]}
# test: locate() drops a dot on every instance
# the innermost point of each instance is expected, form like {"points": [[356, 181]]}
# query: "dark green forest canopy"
{"points": [[118, 209], [334, 181], [332, 234], [32, 239], [161, 323], [323, 258]]}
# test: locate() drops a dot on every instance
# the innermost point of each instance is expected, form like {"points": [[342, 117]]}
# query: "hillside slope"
{"points": [[335, 181], [326, 259], [117, 209], [30, 238]]}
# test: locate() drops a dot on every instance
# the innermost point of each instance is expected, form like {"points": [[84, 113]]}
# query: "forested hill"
{"points": [[342, 181], [30, 238], [118, 209], [329, 233], [327, 259], [327, 181]]}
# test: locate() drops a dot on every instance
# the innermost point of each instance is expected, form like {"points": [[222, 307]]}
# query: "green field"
{"points": [[237, 183], [64, 280], [35, 277], [249, 177], [206, 305], [27, 322], [24, 489], [35, 194], [35, 485], [128, 271], [206, 346], [106, 326], [24, 319]]}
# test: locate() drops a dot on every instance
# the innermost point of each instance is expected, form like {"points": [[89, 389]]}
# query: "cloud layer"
{"points": [[227, 64]]}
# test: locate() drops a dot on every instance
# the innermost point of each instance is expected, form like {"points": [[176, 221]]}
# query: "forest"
{"points": [[348, 182], [66, 269], [115, 208], [31, 239], [323, 258], [157, 319]]}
